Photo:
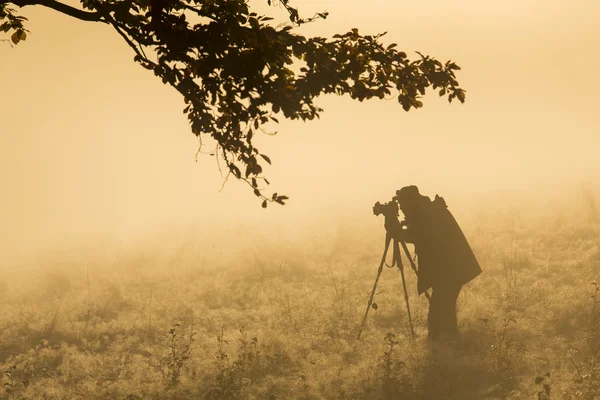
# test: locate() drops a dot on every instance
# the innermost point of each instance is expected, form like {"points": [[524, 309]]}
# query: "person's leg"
{"points": [[446, 299], [433, 317], [452, 322], [442, 319]]}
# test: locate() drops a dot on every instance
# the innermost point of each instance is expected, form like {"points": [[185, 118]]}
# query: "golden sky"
{"points": [[91, 143]]}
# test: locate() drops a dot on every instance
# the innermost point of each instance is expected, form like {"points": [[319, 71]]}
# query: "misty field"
{"points": [[279, 320]]}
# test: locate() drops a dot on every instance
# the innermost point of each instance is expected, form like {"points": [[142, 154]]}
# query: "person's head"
{"points": [[409, 199]]}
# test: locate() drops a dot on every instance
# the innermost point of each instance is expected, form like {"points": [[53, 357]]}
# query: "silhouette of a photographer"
{"points": [[446, 261]]}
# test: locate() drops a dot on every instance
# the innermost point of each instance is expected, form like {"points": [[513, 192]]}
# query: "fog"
{"points": [[131, 268]]}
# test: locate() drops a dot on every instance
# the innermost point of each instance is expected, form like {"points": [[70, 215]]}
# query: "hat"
{"points": [[407, 193]]}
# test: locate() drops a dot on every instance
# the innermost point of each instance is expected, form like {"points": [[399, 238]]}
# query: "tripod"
{"points": [[397, 261]]}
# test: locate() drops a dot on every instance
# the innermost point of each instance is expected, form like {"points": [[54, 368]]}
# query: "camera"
{"points": [[389, 209]]}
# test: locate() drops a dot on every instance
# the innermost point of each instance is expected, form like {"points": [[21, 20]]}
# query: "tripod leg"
{"points": [[388, 239], [401, 268]]}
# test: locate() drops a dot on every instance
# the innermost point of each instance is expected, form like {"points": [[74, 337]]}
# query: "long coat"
{"points": [[444, 255]]}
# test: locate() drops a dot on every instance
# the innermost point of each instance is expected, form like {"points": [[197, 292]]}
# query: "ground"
{"points": [[281, 321]]}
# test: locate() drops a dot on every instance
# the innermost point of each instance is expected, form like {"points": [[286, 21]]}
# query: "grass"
{"points": [[281, 322]]}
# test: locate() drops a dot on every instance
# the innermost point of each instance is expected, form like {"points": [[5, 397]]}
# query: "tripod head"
{"points": [[390, 212]]}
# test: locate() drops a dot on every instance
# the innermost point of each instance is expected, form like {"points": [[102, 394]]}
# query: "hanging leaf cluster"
{"points": [[237, 72]]}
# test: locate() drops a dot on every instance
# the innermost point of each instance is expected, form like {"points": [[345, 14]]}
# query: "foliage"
{"points": [[233, 376], [390, 367], [12, 23], [179, 353], [586, 361], [237, 72]]}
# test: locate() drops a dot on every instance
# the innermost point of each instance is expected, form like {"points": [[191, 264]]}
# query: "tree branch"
{"points": [[60, 7], [138, 51]]}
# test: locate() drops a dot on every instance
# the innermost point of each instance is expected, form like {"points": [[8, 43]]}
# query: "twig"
{"points": [[225, 181]]}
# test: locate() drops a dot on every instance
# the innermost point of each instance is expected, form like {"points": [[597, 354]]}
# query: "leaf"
{"points": [[23, 35], [264, 204], [257, 192], [267, 159], [404, 102], [15, 37], [375, 306], [235, 171]]}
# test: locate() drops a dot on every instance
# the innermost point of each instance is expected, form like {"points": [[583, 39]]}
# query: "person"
{"points": [[445, 258]]}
